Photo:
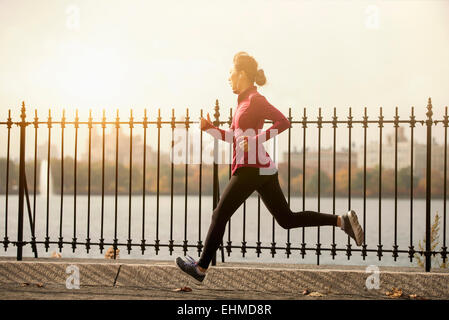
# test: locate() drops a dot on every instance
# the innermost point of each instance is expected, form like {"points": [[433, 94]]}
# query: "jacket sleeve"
{"points": [[268, 111], [225, 135]]}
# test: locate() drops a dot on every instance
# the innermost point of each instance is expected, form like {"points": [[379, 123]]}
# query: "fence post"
{"points": [[215, 168], [22, 125], [428, 254]]}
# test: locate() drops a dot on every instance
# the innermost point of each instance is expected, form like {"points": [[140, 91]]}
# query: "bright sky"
{"points": [[177, 54]]}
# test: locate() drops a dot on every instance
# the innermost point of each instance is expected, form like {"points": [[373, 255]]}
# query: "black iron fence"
{"points": [[186, 245]]}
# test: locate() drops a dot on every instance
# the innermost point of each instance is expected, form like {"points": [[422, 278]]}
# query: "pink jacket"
{"points": [[248, 120]]}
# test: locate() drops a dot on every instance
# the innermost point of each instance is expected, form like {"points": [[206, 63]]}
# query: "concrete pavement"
{"points": [[46, 278]]}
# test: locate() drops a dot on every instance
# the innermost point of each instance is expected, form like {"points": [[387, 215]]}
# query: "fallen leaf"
{"points": [[394, 293], [40, 285], [110, 253], [316, 294], [183, 289], [55, 254], [415, 296]]}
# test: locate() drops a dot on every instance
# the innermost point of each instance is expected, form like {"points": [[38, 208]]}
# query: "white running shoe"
{"points": [[352, 227]]}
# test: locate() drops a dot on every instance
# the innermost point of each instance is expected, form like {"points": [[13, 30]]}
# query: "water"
{"points": [[251, 231]]}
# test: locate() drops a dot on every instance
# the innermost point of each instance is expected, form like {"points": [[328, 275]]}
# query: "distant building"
{"points": [[404, 149], [123, 145], [326, 159]]}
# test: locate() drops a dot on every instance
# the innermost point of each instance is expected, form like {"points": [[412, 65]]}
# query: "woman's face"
{"points": [[234, 79]]}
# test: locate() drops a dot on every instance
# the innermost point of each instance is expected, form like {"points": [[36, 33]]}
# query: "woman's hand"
{"points": [[206, 124]]}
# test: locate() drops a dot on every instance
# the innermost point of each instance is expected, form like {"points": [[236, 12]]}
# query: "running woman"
{"points": [[253, 170]]}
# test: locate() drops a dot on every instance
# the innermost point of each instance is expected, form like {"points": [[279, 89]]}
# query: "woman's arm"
{"points": [[269, 112], [225, 135], [218, 133]]}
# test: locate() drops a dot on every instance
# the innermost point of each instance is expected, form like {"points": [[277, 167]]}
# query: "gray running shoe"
{"points": [[352, 227], [189, 267]]}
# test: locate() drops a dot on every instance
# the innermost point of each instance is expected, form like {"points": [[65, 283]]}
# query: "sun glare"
{"points": [[84, 72]]}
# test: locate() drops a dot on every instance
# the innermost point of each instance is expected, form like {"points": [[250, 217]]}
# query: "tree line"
{"points": [[297, 182]]}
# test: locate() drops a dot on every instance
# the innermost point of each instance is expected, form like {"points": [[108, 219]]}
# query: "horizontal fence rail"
{"points": [[304, 123]]}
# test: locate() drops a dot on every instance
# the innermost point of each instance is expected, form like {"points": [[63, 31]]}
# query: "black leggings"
{"points": [[242, 184]]}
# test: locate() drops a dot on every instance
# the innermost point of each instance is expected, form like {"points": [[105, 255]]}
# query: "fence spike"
{"points": [[217, 114], [23, 113], [36, 119], [429, 112]]}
